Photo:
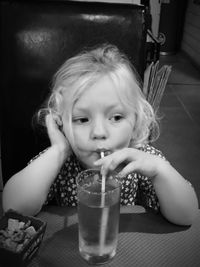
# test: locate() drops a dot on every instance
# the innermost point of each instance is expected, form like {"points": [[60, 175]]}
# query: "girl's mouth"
{"points": [[103, 152]]}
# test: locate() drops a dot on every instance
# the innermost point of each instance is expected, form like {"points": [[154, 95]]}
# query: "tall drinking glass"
{"points": [[98, 216]]}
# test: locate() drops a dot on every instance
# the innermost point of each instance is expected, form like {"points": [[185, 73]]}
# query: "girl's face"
{"points": [[100, 122]]}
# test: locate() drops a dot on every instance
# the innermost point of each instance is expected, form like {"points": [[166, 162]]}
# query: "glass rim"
{"points": [[98, 193]]}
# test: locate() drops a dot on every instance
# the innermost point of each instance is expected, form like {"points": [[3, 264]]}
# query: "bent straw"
{"points": [[104, 218]]}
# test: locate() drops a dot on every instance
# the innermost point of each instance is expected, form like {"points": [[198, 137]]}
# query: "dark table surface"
{"points": [[145, 239]]}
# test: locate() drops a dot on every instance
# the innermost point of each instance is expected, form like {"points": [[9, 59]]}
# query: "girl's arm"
{"points": [[177, 198], [26, 191]]}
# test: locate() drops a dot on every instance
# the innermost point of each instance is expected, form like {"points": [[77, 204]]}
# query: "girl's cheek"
{"points": [[123, 141], [123, 144], [81, 142]]}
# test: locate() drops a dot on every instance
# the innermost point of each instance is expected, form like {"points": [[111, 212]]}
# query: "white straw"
{"points": [[103, 183], [104, 219]]}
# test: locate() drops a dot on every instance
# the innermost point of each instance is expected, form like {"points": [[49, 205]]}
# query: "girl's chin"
{"points": [[89, 165]]}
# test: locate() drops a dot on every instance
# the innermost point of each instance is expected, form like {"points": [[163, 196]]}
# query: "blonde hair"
{"points": [[83, 70]]}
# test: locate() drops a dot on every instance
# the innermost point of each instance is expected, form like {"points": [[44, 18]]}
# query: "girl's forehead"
{"points": [[105, 102], [106, 84], [109, 85], [103, 89]]}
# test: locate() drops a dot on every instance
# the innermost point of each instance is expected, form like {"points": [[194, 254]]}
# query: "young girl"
{"points": [[96, 104]]}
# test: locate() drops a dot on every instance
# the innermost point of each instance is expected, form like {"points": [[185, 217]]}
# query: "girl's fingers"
{"points": [[129, 160], [57, 119], [48, 121], [112, 161], [53, 120], [131, 167], [55, 134], [51, 124]]}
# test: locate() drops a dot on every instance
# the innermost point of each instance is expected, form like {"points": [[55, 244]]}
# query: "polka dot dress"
{"points": [[136, 188]]}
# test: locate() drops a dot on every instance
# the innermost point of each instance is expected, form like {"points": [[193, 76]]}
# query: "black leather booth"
{"points": [[36, 38]]}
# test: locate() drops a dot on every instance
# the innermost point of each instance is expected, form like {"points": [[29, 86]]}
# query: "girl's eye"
{"points": [[80, 120], [116, 118]]}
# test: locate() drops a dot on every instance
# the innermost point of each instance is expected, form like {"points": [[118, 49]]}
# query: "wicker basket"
{"points": [[9, 258]]}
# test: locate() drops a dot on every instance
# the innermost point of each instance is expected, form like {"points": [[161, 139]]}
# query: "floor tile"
{"points": [[180, 142], [180, 124], [189, 94], [1, 209], [169, 98], [183, 72], [194, 112]]}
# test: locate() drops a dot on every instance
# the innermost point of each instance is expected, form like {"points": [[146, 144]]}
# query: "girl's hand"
{"points": [[56, 136], [134, 161], [177, 198]]}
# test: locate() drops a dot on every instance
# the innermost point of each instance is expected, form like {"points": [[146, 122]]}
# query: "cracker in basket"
{"points": [[16, 235]]}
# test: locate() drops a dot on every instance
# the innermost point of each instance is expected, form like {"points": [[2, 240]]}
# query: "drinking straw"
{"points": [[103, 183], [104, 218]]}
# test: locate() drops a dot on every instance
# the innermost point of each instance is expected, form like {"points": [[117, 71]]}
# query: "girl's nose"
{"points": [[99, 130]]}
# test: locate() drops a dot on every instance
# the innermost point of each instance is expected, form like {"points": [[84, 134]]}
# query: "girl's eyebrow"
{"points": [[108, 108]]}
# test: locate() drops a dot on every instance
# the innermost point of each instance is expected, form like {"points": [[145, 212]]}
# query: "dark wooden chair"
{"points": [[36, 38]]}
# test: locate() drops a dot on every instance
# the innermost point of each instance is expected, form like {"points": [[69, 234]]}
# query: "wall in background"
{"points": [[155, 7], [191, 35]]}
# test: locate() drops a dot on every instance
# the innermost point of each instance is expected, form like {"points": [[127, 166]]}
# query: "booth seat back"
{"points": [[36, 38]]}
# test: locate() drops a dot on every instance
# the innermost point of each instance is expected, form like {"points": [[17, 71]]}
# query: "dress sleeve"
{"points": [[146, 193], [63, 191], [52, 196]]}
